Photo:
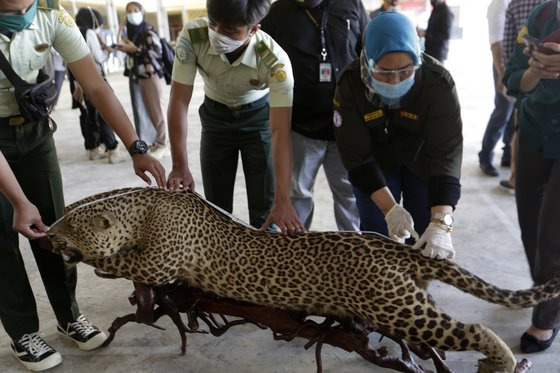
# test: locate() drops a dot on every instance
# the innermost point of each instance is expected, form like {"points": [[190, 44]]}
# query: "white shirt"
{"points": [[496, 15]]}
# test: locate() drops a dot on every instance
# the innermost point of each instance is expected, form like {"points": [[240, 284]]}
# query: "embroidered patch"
{"points": [[275, 67], [281, 75], [265, 54], [64, 17], [336, 103], [408, 115], [184, 50], [337, 118], [374, 115], [198, 35]]}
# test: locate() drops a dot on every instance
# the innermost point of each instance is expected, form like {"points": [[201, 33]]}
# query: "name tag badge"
{"points": [[325, 72]]}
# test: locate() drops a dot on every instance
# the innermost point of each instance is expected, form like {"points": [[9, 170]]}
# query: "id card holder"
{"points": [[325, 72]]}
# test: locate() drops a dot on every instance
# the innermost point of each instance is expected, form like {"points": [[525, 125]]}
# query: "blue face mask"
{"points": [[391, 93], [17, 23]]}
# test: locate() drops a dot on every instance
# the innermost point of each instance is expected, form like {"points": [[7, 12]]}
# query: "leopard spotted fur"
{"points": [[154, 236]]}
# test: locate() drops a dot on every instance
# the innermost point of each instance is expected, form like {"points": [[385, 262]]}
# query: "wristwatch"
{"points": [[444, 219], [138, 147]]}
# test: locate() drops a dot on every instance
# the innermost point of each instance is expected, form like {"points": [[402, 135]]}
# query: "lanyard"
{"points": [[321, 27]]}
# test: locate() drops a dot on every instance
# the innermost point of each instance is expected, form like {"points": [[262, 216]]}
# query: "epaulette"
{"points": [[198, 35], [49, 4], [262, 50], [437, 68]]}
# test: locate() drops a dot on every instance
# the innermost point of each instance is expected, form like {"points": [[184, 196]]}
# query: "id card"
{"points": [[325, 72]]}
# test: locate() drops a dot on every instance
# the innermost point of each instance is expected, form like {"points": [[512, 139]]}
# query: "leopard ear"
{"points": [[104, 221]]}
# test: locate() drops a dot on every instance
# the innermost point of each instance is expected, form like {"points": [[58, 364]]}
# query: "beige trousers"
{"points": [[151, 90]]}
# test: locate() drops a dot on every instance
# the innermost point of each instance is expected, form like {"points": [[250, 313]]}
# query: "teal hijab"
{"points": [[17, 23]]}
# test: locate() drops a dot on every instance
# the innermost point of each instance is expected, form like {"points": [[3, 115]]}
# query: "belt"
{"points": [[18, 120], [261, 101]]}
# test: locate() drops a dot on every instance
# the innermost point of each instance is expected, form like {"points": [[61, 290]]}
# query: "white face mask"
{"points": [[222, 43], [135, 18]]}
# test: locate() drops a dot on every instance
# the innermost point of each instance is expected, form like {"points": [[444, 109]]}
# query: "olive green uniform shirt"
{"points": [[28, 50], [424, 133], [263, 67]]}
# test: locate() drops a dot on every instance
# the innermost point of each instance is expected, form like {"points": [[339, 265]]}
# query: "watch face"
{"points": [[448, 219], [138, 147]]}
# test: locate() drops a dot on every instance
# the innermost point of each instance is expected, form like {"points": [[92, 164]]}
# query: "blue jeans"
{"points": [[500, 124], [414, 191]]}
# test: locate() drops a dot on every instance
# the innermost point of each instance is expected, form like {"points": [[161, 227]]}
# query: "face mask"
{"points": [[223, 44], [392, 92], [17, 23], [135, 18]]}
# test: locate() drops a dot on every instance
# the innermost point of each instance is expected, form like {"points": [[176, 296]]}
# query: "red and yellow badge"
{"points": [[281, 75]]}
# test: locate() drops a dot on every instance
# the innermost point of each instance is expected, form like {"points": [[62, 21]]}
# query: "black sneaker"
{"points": [[83, 333], [34, 353]]}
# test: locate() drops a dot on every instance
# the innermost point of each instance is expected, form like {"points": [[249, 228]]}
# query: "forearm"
{"points": [[177, 114], [9, 185], [497, 50], [383, 199], [528, 81], [280, 123]]}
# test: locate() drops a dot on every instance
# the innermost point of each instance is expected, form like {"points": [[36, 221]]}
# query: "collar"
{"points": [[248, 57]]}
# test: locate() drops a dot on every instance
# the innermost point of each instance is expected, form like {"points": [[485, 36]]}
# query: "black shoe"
{"points": [[34, 353], [505, 163], [530, 344], [504, 184], [83, 333], [488, 169]]}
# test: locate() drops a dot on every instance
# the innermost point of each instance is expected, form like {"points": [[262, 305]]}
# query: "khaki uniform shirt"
{"points": [[262, 67], [28, 50]]}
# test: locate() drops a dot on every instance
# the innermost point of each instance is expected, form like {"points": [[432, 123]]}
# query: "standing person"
{"points": [[96, 131], [144, 65], [398, 128], [26, 33], [317, 62], [538, 163], [387, 6], [501, 120], [516, 14], [438, 32], [240, 65]]}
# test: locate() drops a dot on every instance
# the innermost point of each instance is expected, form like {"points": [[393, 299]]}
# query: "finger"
{"points": [[41, 227], [144, 177]]}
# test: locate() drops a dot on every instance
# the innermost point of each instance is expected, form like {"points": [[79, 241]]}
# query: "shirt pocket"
{"points": [[38, 59]]}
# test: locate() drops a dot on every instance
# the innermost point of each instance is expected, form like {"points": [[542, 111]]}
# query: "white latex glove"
{"points": [[438, 242], [400, 224]]}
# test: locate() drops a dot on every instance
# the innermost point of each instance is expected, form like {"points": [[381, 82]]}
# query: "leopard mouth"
{"points": [[71, 256]]}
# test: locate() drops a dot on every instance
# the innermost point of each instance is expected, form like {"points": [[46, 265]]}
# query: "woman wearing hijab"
{"points": [[398, 128], [94, 128], [144, 67]]}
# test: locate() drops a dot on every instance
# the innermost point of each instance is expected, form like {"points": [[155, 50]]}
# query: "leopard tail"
{"points": [[450, 273]]}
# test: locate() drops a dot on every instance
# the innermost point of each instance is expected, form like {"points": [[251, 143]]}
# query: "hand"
{"points": [[78, 93], [180, 178], [145, 162], [400, 224], [438, 242], [285, 217], [26, 217], [127, 46], [545, 66]]}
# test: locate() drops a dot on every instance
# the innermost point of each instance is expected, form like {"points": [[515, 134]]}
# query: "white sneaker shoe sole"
{"points": [[91, 344], [44, 364]]}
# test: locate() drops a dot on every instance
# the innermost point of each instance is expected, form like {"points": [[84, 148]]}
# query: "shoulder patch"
{"points": [[198, 35], [49, 4], [184, 50], [276, 67], [262, 50], [64, 17]]}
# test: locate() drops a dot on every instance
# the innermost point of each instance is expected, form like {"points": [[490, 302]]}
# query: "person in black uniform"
{"points": [[438, 32], [398, 128], [317, 62]]}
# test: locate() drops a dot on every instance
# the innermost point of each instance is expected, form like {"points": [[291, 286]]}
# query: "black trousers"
{"points": [[537, 190], [31, 154]]}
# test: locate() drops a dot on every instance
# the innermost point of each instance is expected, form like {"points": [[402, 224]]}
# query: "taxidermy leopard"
{"points": [[154, 236]]}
